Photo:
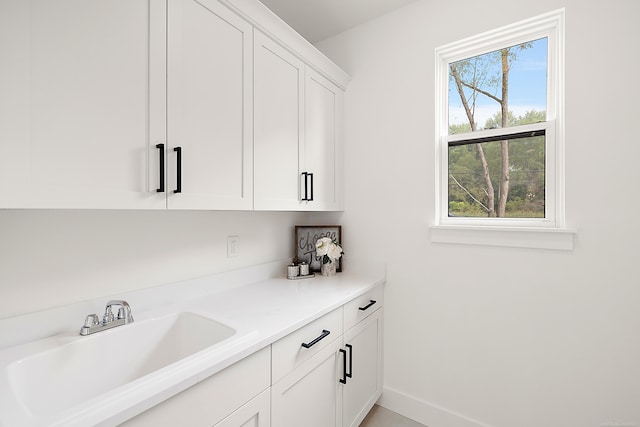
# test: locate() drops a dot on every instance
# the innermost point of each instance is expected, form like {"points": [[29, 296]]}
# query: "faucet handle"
{"points": [[91, 320], [125, 314]]}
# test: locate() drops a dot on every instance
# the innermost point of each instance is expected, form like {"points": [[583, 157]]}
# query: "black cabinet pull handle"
{"points": [[178, 151], [350, 374], [371, 302], [315, 341], [343, 380], [160, 148], [311, 198], [306, 188]]}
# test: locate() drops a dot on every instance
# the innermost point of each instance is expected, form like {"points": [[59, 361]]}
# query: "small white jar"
{"points": [[304, 269], [293, 271]]}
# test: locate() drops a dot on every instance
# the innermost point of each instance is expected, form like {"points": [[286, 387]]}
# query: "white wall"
{"points": [[497, 336], [50, 258]]}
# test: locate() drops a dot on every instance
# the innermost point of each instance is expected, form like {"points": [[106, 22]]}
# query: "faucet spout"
{"points": [[124, 312]]}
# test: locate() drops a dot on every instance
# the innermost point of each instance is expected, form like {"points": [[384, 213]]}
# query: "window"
{"points": [[499, 127]]}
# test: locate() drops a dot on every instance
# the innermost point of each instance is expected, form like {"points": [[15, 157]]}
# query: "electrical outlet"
{"points": [[233, 246]]}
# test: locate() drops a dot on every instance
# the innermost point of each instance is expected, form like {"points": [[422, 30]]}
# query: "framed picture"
{"points": [[305, 238]]}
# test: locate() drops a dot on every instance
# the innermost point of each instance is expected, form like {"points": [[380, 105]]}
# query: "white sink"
{"points": [[72, 370]]}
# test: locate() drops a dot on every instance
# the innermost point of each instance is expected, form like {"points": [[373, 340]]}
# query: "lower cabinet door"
{"points": [[214, 399], [310, 395], [255, 413], [363, 345]]}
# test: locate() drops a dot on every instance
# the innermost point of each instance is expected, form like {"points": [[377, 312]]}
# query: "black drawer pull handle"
{"points": [[371, 302], [178, 151], [311, 198], [160, 148], [343, 380], [314, 342], [350, 374]]}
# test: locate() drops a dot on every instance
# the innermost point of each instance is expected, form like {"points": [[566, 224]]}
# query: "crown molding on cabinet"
{"points": [[274, 27]]}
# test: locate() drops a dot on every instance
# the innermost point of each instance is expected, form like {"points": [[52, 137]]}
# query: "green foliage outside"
{"points": [[467, 189], [480, 185]]}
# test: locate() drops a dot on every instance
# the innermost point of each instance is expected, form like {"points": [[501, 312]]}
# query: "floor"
{"points": [[382, 417]]}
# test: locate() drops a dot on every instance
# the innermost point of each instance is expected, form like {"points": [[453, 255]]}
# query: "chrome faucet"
{"points": [[92, 323]]}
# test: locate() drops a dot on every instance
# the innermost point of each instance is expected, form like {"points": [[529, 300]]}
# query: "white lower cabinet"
{"points": [[319, 375], [364, 363], [228, 398], [255, 413], [339, 384], [310, 394]]}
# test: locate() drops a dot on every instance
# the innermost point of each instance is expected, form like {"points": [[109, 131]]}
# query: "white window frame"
{"points": [[550, 231]]}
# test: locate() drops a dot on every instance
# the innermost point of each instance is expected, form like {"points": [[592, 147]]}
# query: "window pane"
{"points": [[513, 79], [475, 191]]}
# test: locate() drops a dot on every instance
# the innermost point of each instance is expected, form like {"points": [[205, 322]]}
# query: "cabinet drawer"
{"points": [[361, 307], [288, 352]]}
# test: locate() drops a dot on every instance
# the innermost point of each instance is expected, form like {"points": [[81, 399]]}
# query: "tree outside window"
{"points": [[502, 178]]}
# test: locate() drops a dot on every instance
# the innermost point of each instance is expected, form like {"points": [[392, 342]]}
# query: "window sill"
{"points": [[560, 239]]}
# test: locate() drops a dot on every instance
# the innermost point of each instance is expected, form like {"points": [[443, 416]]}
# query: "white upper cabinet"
{"points": [[323, 141], [149, 104], [81, 102], [297, 134], [209, 143], [278, 121]]}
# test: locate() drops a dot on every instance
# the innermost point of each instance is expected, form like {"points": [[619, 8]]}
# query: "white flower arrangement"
{"points": [[328, 249]]}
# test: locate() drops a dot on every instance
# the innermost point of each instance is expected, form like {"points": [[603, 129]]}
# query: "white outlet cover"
{"points": [[233, 248]]}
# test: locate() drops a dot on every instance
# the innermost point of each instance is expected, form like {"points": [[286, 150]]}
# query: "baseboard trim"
{"points": [[424, 412]]}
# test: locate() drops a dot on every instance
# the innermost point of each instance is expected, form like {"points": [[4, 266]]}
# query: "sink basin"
{"points": [[77, 369]]}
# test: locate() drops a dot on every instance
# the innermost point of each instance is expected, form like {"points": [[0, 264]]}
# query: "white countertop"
{"points": [[262, 308]]}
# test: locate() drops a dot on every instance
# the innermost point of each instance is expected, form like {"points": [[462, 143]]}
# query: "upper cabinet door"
{"points": [[81, 103], [278, 125], [210, 52], [323, 141]]}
